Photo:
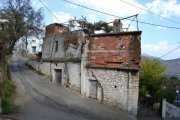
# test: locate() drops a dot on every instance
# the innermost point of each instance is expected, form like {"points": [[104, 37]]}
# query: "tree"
{"points": [[151, 80], [21, 20], [100, 26], [170, 88]]}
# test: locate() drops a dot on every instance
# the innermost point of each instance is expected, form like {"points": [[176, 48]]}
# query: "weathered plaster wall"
{"points": [[62, 54], [42, 67], [70, 72], [49, 47], [59, 66], [74, 71]]}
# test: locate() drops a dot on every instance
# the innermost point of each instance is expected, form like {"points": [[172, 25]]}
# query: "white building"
{"points": [[33, 46]]}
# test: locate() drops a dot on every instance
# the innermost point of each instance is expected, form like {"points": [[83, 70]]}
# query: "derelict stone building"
{"points": [[100, 66]]}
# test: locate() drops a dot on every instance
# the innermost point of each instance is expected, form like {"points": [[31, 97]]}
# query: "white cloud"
{"points": [[62, 17], [37, 4], [165, 8], [115, 7], [92, 17], [161, 48]]}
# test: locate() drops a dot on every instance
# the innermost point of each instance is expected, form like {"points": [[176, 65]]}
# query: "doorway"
{"points": [[58, 76], [93, 89]]}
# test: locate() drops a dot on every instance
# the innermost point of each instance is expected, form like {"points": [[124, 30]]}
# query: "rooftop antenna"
{"points": [[137, 22]]}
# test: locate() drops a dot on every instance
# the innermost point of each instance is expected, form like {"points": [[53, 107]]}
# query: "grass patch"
{"points": [[8, 90]]}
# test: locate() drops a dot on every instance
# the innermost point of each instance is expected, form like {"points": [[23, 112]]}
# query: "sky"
{"points": [[155, 40]]}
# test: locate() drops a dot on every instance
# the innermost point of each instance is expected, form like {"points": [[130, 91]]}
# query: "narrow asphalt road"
{"points": [[39, 99]]}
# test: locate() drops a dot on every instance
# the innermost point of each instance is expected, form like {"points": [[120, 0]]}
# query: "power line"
{"points": [[150, 12], [92, 9], [118, 17], [169, 52], [152, 24], [98, 10], [55, 15], [50, 11]]}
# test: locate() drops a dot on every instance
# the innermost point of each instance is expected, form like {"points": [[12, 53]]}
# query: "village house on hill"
{"points": [[102, 66]]}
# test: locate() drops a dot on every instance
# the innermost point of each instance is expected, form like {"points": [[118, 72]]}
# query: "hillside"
{"points": [[172, 67]]}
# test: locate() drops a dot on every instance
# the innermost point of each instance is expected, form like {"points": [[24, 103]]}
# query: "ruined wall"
{"points": [[66, 50]]}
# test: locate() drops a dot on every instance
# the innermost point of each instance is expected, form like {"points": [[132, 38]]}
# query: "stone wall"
{"points": [[120, 88]]}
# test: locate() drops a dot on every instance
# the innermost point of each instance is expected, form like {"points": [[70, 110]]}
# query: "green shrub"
{"points": [[6, 105], [7, 96]]}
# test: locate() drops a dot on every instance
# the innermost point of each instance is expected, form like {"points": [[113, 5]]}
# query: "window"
{"points": [[56, 46], [34, 49]]}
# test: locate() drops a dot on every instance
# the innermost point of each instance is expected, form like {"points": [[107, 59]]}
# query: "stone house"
{"points": [[100, 66], [62, 57], [111, 69]]}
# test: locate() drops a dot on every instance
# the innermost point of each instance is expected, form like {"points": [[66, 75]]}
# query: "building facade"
{"points": [[104, 67]]}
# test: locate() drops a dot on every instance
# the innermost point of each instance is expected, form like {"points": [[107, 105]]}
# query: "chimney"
{"points": [[117, 26]]}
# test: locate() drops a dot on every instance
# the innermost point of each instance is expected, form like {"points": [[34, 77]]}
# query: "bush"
{"points": [[6, 105], [7, 96]]}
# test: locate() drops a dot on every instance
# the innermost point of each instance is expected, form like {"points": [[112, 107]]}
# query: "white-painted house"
{"points": [[33, 46]]}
